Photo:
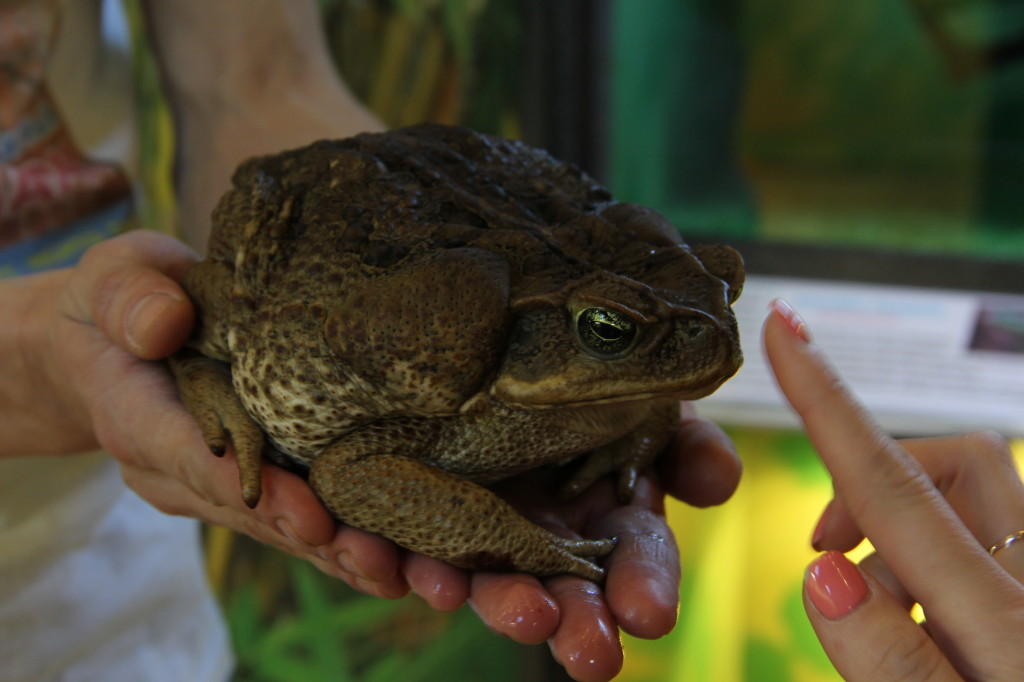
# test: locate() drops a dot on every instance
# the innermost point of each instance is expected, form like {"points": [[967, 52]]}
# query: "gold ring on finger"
{"points": [[1006, 542]]}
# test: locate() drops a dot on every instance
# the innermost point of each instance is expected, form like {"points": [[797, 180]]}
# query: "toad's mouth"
{"points": [[693, 394], [541, 397]]}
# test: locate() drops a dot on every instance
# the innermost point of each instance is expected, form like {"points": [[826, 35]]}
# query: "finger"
{"points": [[173, 497], [370, 557], [866, 633], [443, 586], [642, 587], [287, 506], [836, 529], [887, 492], [157, 433], [394, 588], [976, 474], [587, 641], [128, 286], [515, 605], [1011, 557], [701, 466], [374, 571], [874, 565]]}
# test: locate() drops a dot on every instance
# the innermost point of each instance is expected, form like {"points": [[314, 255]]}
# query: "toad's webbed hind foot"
{"points": [[205, 387]]}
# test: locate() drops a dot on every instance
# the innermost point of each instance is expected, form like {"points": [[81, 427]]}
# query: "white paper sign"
{"points": [[925, 361]]}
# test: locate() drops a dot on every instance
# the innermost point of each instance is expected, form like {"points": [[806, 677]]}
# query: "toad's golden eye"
{"points": [[605, 332]]}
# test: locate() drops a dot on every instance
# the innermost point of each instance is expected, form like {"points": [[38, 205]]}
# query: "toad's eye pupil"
{"points": [[605, 332], [608, 332]]}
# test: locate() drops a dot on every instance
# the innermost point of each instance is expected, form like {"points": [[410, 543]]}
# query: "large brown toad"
{"points": [[415, 314]]}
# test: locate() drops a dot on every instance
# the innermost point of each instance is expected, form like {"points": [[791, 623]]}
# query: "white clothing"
{"points": [[98, 586]]}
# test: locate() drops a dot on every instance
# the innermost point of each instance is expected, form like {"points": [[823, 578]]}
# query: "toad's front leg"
{"points": [[205, 387], [630, 454], [436, 513]]}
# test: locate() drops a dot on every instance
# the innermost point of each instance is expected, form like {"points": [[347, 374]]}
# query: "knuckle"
{"points": [[892, 470], [908, 655], [120, 248], [108, 280], [991, 445], [195, 475]]}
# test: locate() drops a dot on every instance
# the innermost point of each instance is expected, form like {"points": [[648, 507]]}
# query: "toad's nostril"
{"points": [[695, 331]]}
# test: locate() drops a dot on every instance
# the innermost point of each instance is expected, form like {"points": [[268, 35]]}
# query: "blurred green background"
{"points": [[882, 123]]}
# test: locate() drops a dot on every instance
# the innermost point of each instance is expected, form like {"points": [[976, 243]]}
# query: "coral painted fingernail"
{"points": [[792, 319], [835, 585]]}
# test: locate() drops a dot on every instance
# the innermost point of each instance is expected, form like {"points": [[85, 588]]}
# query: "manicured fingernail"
{"points": [[792, 319], [835, 585], [144, 314]]}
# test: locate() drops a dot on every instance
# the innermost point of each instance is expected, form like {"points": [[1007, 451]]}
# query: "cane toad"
{"points": [[413, 315]]}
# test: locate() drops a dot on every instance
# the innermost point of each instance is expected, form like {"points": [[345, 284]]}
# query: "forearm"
{"points": [[244, 77], [39, 413], [224, 56]]}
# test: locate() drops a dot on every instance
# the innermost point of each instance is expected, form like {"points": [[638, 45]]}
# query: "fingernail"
{"points": [[835, 585], [285, 529], [144, 314], [347, 563], [792, 319]]}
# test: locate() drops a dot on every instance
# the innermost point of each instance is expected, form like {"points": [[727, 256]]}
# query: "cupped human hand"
{"points": [[581, 621], [931, 508], [121, 308], [116, 312]]}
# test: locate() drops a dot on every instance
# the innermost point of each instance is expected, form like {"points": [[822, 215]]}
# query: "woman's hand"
{"points": [[930, 508]]}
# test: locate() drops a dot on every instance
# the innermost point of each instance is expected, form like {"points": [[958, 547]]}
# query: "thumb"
{"points": [[128, 288]]}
